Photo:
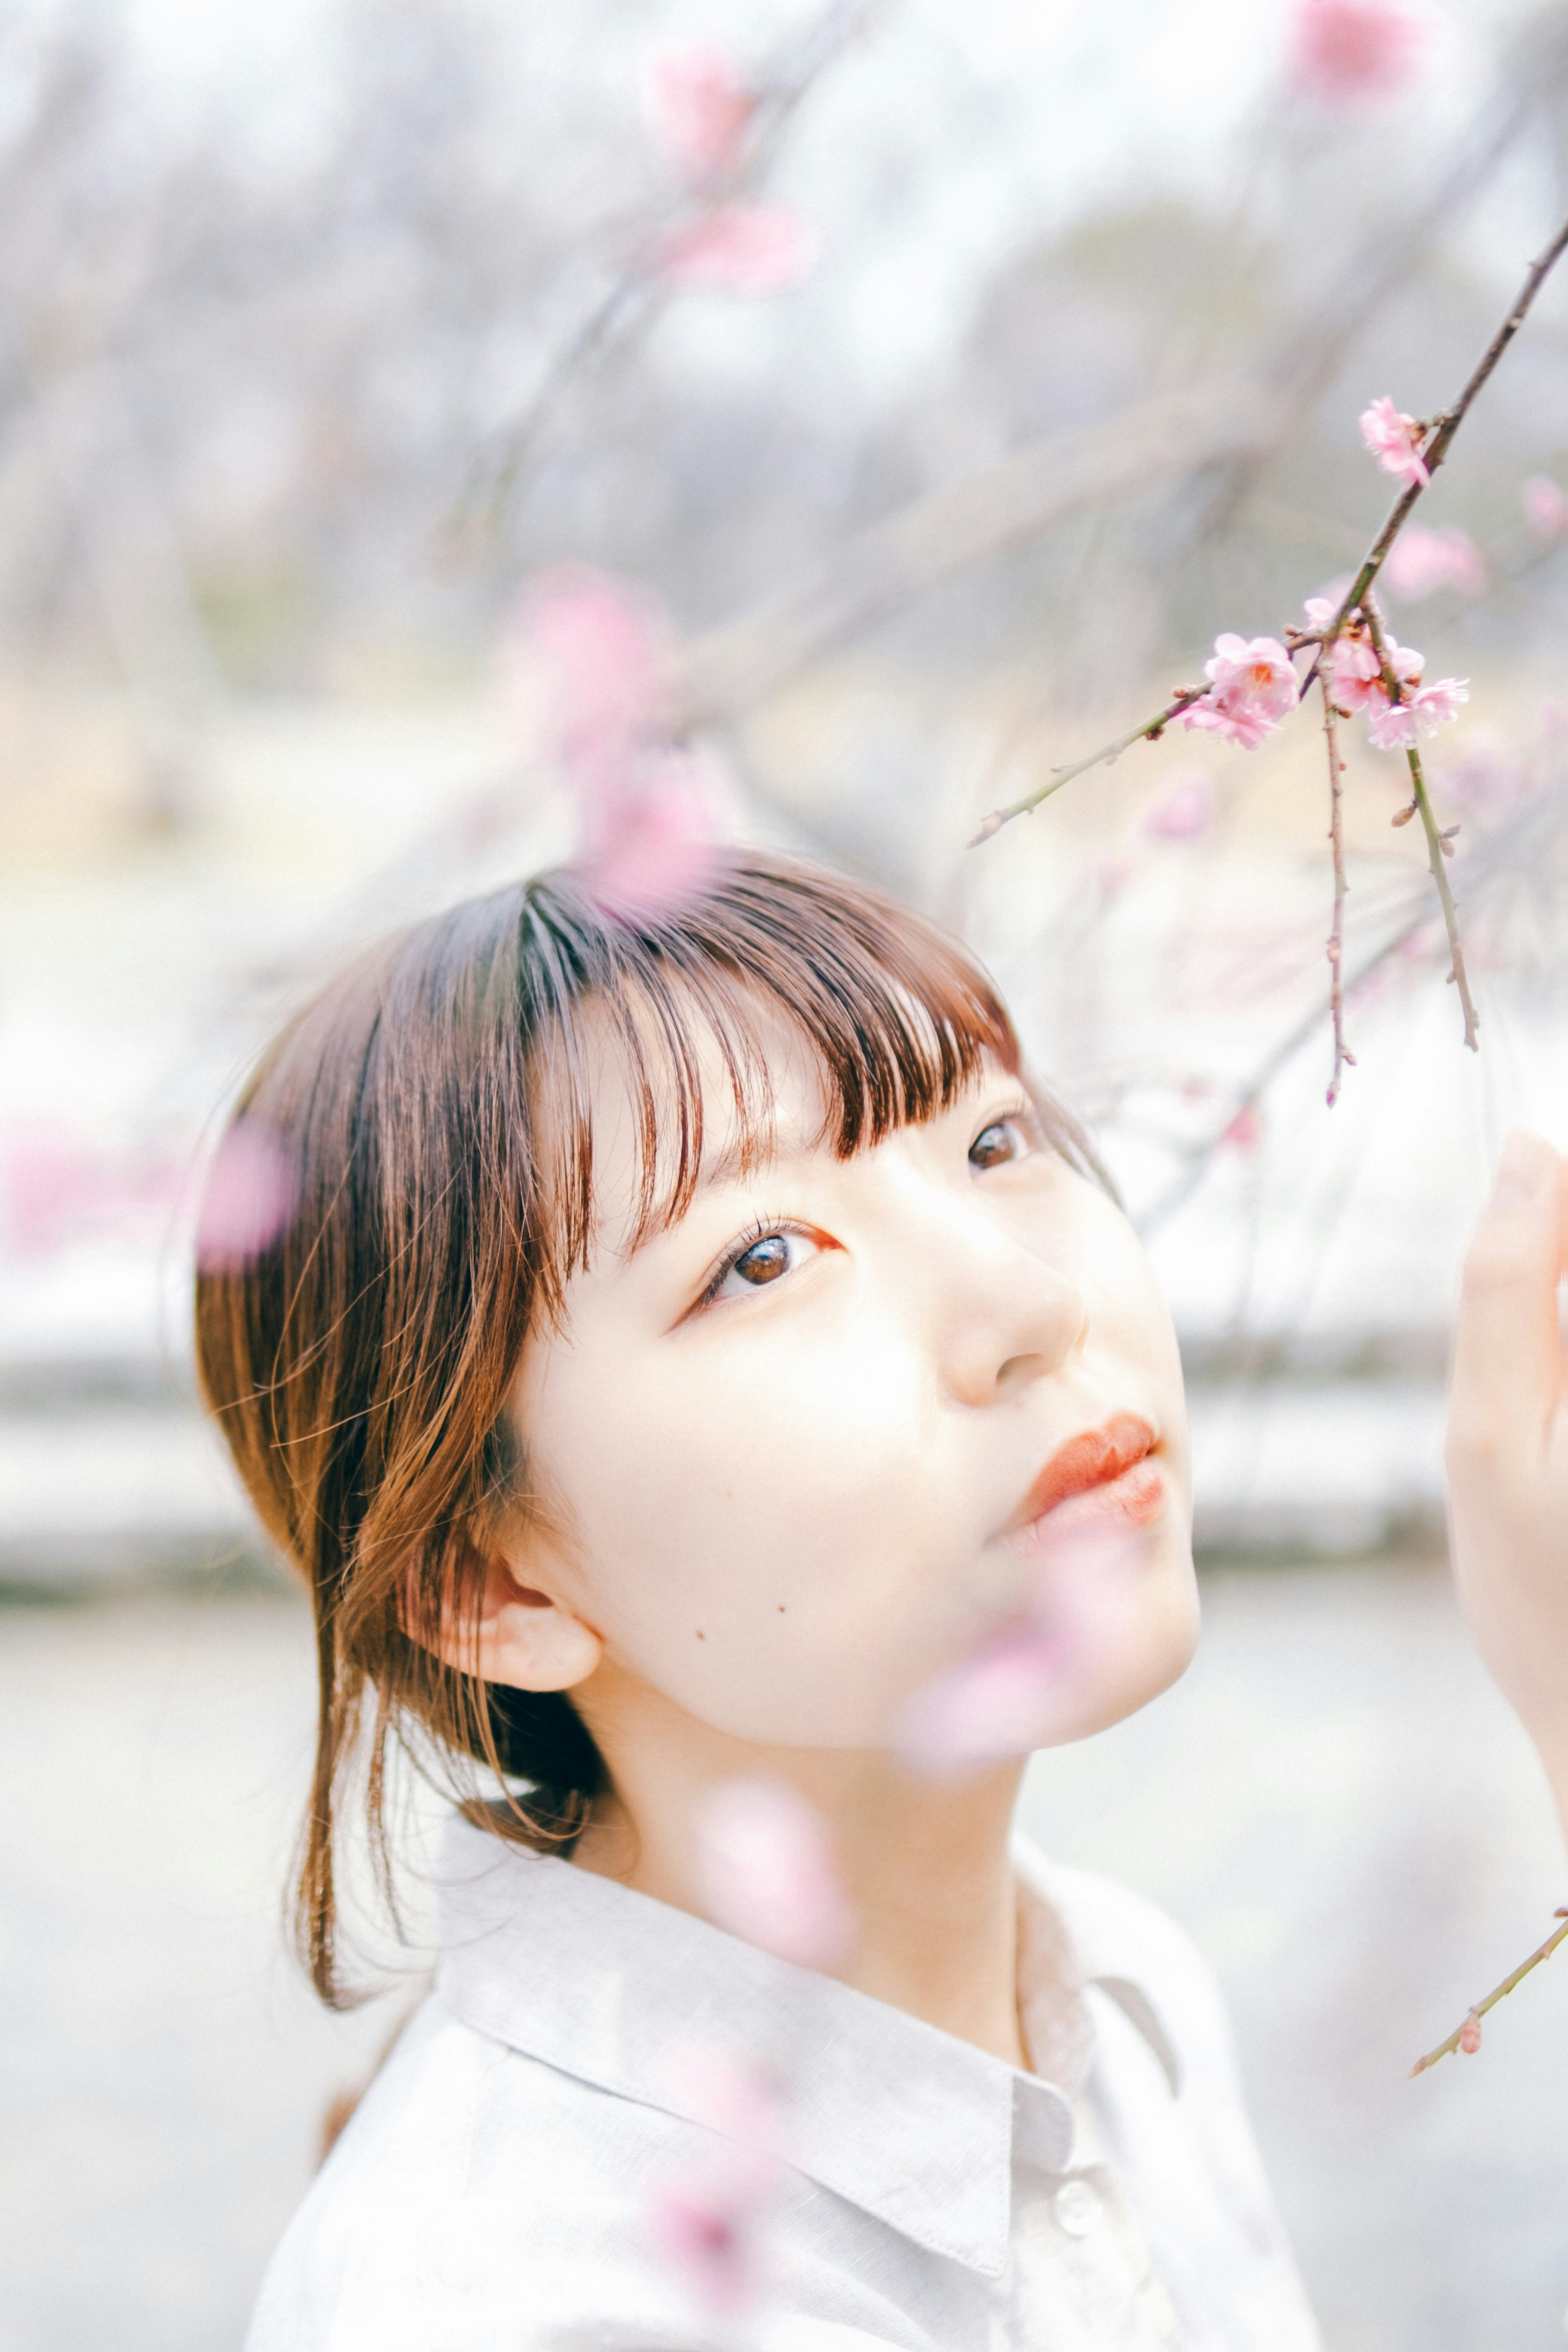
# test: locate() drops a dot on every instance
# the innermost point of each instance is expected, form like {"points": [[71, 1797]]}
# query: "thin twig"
{"points": [[1344, 1058], [1510, 848], [1436, 843], [1481, 2007], [1149, 729]]}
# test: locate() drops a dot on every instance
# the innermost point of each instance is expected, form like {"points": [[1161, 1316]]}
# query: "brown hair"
{"points": [[431, 1111]]}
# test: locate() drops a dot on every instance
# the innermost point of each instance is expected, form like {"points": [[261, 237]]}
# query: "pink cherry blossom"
{"points": [[767, 1873], [591, 657], [248, 1201], [1357, 671], [1251, 688], [700, 108], [1420, 562], [1396, 726], [1470, 2034], [1184, 810], [740, 250], [1394, 441], [1545, 507], [1347, 49]]}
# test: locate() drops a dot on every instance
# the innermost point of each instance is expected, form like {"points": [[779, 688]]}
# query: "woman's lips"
{"points": [[1105, 1474]]}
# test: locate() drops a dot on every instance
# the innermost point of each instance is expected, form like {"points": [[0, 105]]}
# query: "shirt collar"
{"points": [[905, 2121]]}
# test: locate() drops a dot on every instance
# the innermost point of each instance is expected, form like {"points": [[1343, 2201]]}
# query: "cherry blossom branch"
{"points": [[1440, 845], [1429, 445], [1440, 432], [1150, 730], [1342, 1055], [1467, 2035]]}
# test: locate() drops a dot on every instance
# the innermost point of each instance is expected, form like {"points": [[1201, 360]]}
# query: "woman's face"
{"points": [[804, 1451]]}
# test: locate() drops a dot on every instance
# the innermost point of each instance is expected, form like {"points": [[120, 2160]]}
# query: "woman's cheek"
{"points": [[752, 1543]]}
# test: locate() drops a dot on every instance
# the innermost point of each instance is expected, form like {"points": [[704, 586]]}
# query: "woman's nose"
{"points": [[1009, 1316]]}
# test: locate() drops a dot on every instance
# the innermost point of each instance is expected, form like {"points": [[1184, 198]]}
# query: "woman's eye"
{"points": [[767, 1259], [1003, 1140]]}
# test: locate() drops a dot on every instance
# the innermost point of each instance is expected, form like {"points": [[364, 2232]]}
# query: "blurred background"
{"points": [[929, 383]]}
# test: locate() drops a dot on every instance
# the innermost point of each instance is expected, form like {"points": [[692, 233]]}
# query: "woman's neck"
{"points": [[924, 1864]]}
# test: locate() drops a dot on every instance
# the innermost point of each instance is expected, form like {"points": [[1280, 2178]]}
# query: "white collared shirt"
{"points": [[492, 2192]]}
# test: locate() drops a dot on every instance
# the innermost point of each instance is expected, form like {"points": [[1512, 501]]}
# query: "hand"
{"points": [[1506, 1447]]}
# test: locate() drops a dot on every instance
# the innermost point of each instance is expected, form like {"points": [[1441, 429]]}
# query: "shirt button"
{"points": [[1077, 2208]]}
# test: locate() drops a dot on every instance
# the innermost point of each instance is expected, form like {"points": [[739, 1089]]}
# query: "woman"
{"points": [[695, 1353]]}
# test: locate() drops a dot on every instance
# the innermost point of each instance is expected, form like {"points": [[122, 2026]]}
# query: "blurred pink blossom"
{"points": [[57, 1187], [1251, 688], [248, 1200], [1004, 1700], [740, 250], [704, 2223], [1485, 775], [1545, 506], [1396, 726], [767, 1873], [1346, 49], [700, 108], [652, 813], [1422, 561], [1394, 441], [605, 656], [1470, 2035], [656, 842], [709, 2221], [1244, 1132], [1184, 810]]}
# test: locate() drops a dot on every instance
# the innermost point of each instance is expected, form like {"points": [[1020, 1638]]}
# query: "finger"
{"points": [[1507, 1353]]}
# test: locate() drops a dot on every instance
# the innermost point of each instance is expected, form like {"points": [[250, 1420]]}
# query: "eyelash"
{"points": [[1020, 1114], [757, 1231]]}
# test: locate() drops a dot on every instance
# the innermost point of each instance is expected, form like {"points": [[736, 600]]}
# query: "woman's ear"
{"points": [[520, 1635]]}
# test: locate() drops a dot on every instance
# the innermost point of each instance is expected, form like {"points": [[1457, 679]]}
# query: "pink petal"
{"points": [[1434, 705], [1389, 436], [1545, 506], [1240, 725], [740, 250], [767, 1874], [1393, 728], [1348, 50], [248, 1201], [654, 842], [700, 108], [703, 2224], [602, 651], [1004, 1701], [1184, 810]]}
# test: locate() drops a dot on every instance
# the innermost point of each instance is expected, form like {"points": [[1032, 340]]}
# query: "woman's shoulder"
{"points": [[471, 2197]]}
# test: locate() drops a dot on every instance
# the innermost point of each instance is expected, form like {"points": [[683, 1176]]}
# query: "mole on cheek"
{"points": [[781, 1609], [701, 1634]]}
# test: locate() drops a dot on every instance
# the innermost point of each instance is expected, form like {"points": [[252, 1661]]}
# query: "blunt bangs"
{"points": [[899, 1021]]}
